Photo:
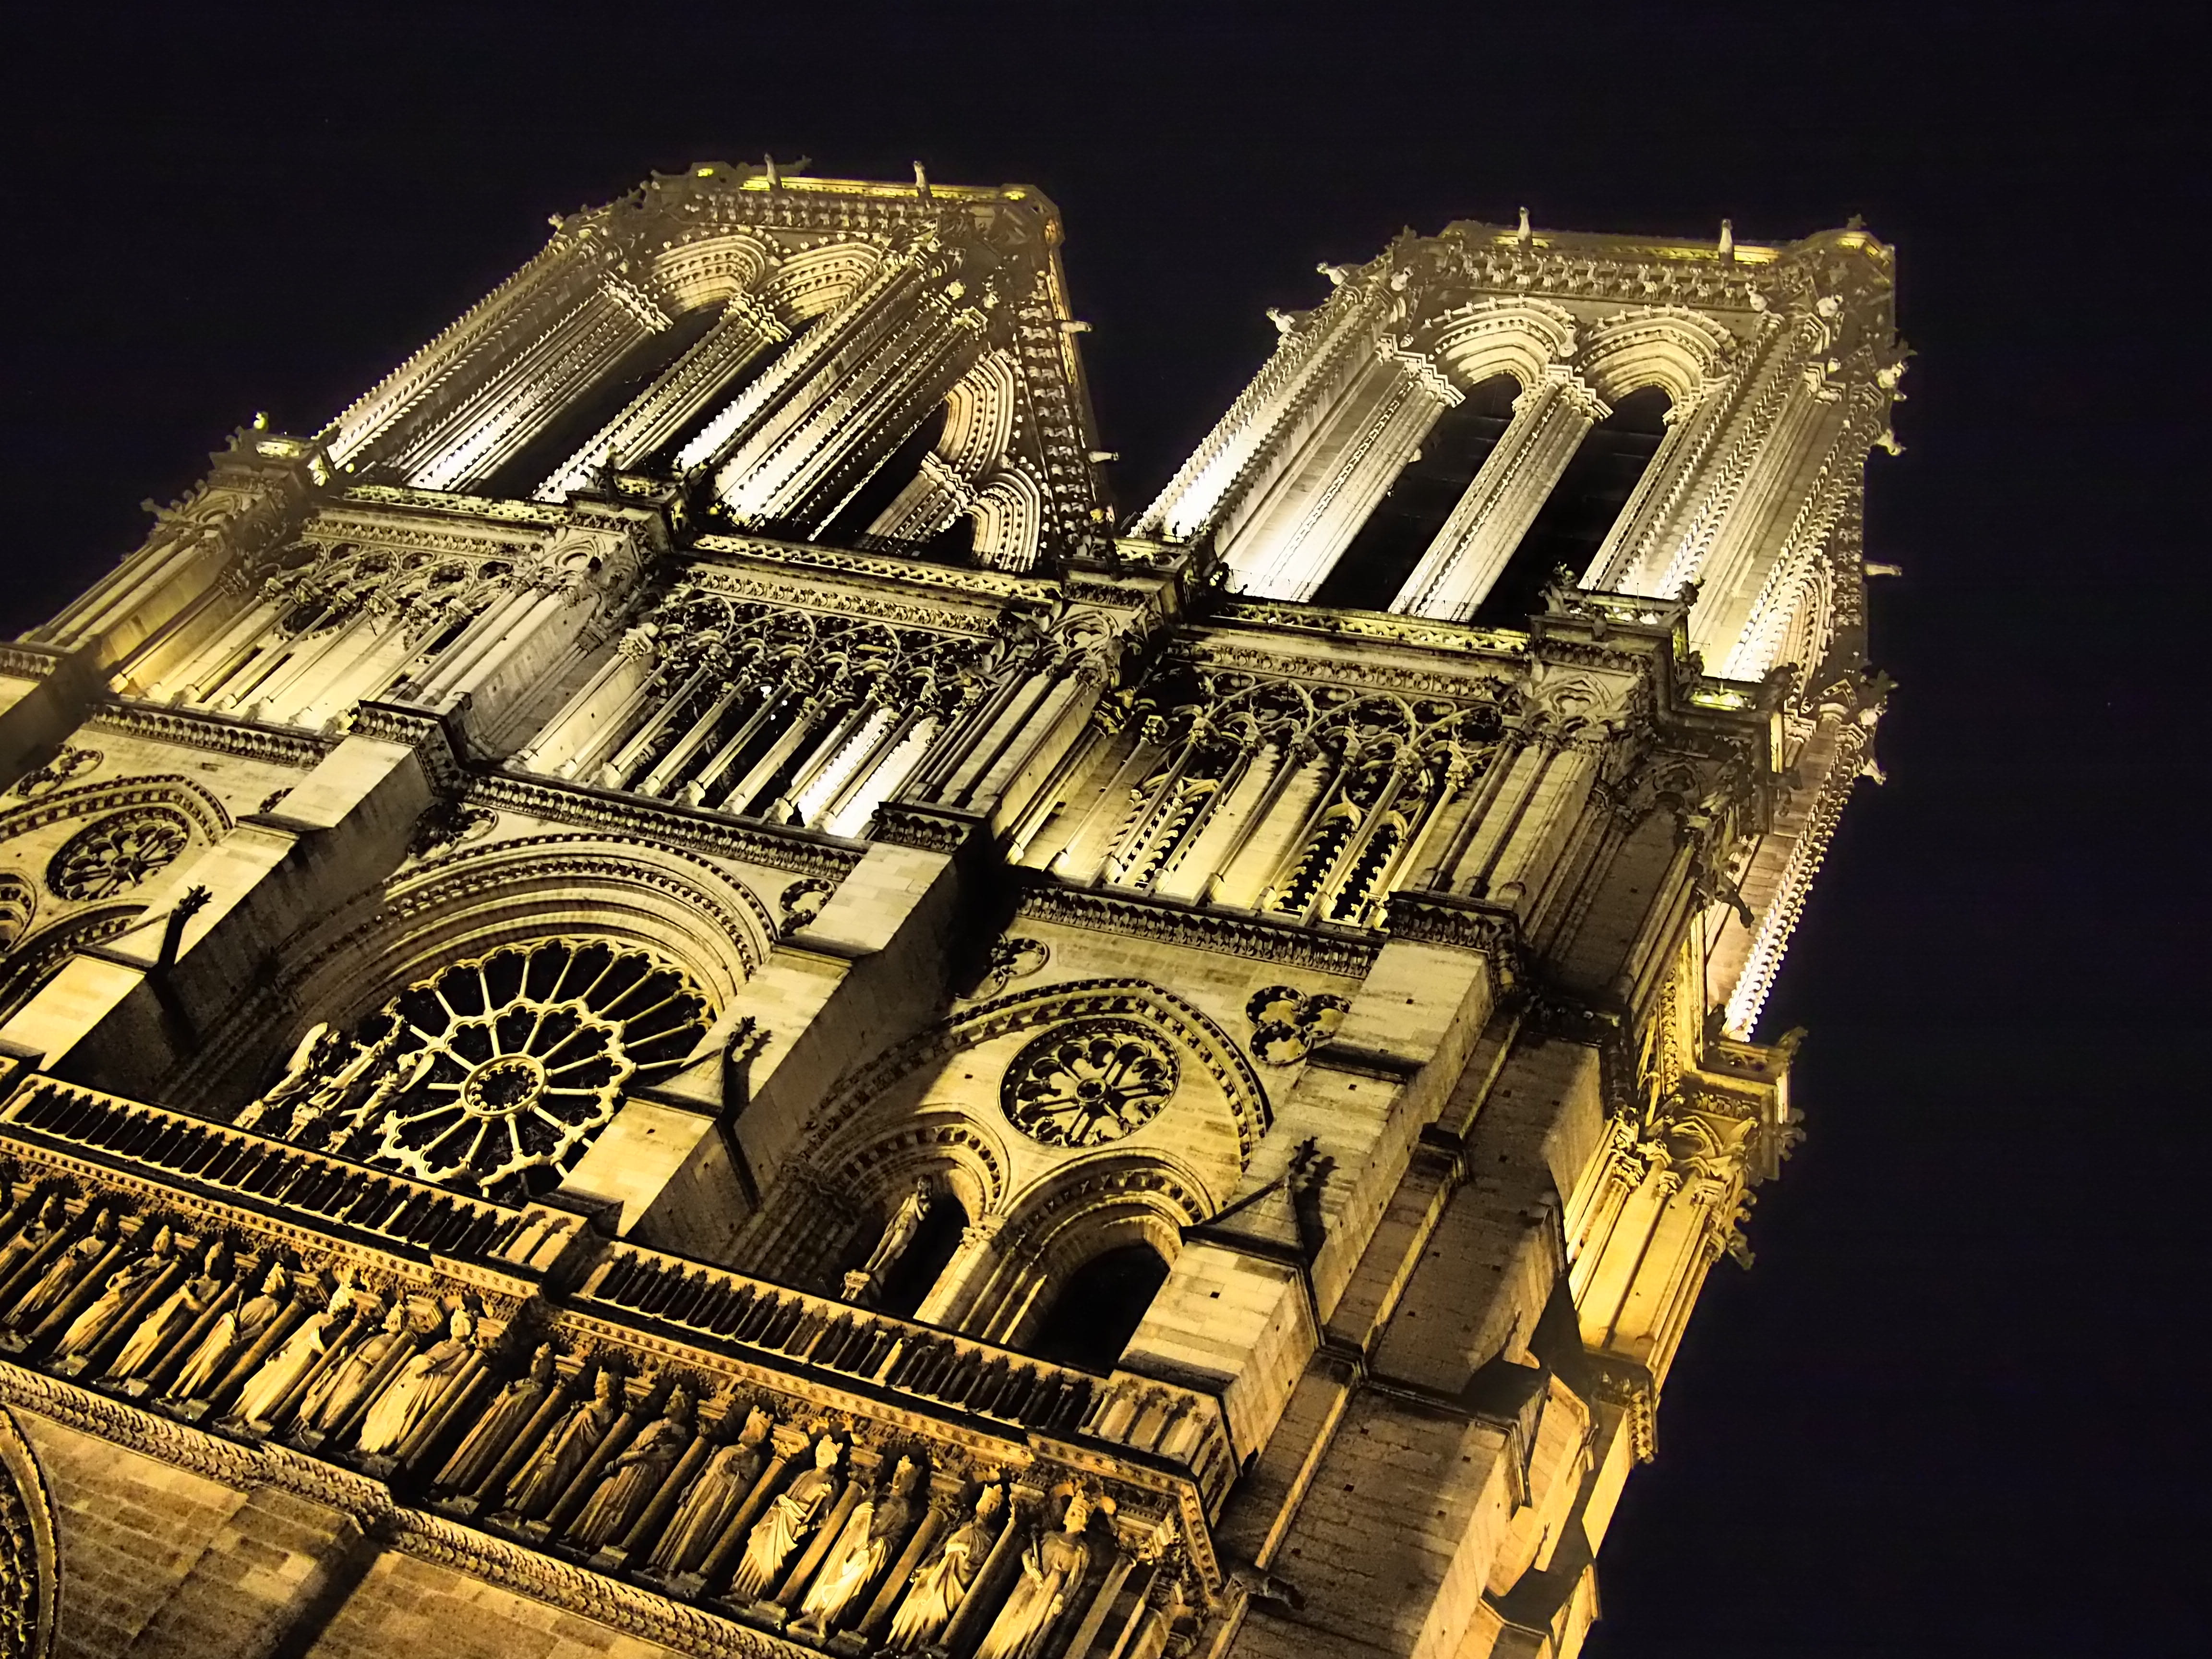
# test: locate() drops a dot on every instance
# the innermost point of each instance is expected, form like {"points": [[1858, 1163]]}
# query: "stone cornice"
{"points": [[802, 852], [196, 729], [1323, 949]]}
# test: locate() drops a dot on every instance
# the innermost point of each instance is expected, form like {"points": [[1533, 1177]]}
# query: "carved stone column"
{"points": [[1290, 540], [746, 330], [894, 355], [1463, 564]]}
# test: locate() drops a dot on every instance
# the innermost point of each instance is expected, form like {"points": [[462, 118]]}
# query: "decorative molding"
{"points": [[288, 745], [1468, 924], [30, 662], [1322, 948], [930, 829], [189, 800], [801, 852], [426, 733]]}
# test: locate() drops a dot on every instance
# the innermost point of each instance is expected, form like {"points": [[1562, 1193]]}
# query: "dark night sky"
{"points": [[1951, 1411]]}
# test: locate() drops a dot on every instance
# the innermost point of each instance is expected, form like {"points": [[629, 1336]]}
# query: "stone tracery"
{"points": [[495, 1067]]}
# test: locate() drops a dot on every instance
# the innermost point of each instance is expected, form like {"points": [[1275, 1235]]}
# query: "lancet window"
{"points": [[493, 1074], [1579, 514], [1094, 1314], [1302, 801], [330, 626], [761, 710], [1371, 569]]}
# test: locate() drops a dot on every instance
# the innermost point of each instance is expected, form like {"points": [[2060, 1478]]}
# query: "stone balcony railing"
{"points": [[1177, 1427], [139, 1250]]}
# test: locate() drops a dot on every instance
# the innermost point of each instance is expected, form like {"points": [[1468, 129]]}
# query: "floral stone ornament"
{"points": [[117, 854], [1090, 1084]]}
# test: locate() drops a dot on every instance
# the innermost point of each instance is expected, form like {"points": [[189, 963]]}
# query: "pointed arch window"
{"points": [[590, 409], [1097, 1311], [1579, 512], [1381, 555]]}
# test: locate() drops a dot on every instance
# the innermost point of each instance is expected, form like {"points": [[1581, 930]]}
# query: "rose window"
{"points": [[511, 1063], [1088, 1086], [117, 853]]}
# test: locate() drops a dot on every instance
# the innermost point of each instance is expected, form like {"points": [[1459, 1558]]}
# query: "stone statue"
{"points": [[52, 1216], [420, 1384], [795, 1513], [943, 1583], [539, 1483], [313, 1053], [510, 1413], [898, 1232], [64, 1270], [1052, 1565], [715, 1496], [340, 1387], [177, 1312], [233, 1331], [871, 1532], [635, 1476], [396, 1081], [89, 1327], [291, 1362]]}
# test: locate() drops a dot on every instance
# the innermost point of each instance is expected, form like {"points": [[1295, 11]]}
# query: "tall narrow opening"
{"points": [[588, 411], [849, 525], [1099, 1308], [1579, 513], [923, 1262], [1383, 554], [665, 458]]}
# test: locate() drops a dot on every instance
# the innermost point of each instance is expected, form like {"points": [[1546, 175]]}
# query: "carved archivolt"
{"points": [[28, 1562], [1674, 348], [672, 902], [1515, 337], [19, 905], [195, 805], [1125, 1002]]}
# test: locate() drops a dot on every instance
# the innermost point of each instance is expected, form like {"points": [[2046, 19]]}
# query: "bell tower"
{"points": [[653, 988]]}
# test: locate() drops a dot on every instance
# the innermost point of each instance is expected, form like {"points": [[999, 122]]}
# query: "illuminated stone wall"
{"points": [[657, 998]]}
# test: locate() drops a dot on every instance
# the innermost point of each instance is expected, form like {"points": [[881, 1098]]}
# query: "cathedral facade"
{"points": [[659, 998]]}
